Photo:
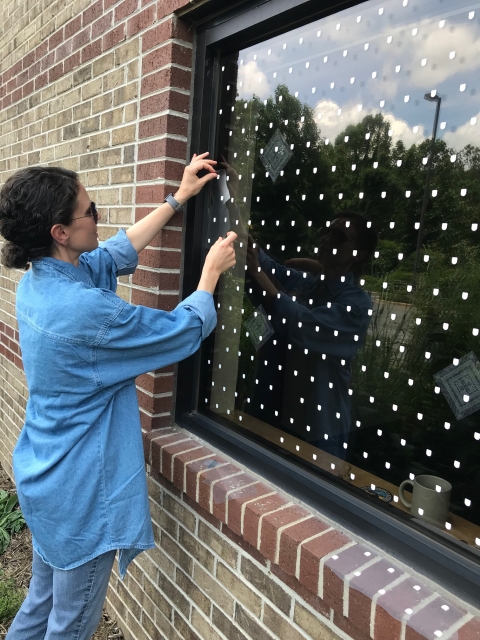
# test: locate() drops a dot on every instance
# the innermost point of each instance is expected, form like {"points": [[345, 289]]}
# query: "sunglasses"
{"points": [[91, 213], [336, 236]]}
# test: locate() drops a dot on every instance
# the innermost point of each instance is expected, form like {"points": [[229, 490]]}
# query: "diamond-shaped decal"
{"points": [[276, 155], [460, 385]]}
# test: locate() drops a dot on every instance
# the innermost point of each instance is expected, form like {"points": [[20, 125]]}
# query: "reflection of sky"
{"points": [[411, 48]]}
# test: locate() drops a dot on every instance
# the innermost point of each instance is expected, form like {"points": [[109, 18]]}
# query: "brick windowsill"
{"points": [[370, 596]]}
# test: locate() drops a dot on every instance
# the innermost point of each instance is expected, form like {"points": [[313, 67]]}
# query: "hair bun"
{"points": [[14, 256]]}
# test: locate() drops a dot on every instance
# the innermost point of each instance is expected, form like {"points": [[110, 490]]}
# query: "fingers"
{"points": [[199, 156], [230, 239]]}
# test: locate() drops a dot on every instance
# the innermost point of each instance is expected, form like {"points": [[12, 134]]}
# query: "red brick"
{"points": [[81, 39], [125, 9], [28, 88], [55, 39], [72, 62], [162, 440], [312, 552], [391, 606], [165, 483], [173, 28], [170, 77], [55, 72], [152, 423], [156, 384], [141, 21], [192, 470], [183, 459], [166, 169], [431, 618], [269, 537], [236, 501], [113, 37], [254, 511], [221, 489], [470, 631], [169, 99], [47, 61], [73, 27], [346, 625], [207, 479], [92, 50], [155, 301], [169, 6], [41, 81], [153, 279], [28, 60], [153, 404], [292, 537], [161, 259], [147, 438], [102, 24], [336, 569], [170, 238], [160, 125], [170, 450], [168, 54], [363, 589], [64, 50], [93, 12]]}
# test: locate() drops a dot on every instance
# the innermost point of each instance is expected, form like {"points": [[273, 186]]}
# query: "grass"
{"points": [[11, 598]]}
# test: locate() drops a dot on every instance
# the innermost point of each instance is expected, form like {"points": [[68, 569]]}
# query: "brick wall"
{"points": [[103, 88]]}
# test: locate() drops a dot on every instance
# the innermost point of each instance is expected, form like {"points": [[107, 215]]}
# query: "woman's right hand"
{"points": [[220, 258]]}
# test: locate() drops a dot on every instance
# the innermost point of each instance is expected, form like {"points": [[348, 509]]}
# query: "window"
{"points": [[348, 342]]}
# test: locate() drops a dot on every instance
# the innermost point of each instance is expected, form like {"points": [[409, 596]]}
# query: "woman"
{"points": [[78, 462]]}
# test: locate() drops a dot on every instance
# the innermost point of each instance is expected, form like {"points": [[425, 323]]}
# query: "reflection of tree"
{"points": [[391, 178], [306, 174]]}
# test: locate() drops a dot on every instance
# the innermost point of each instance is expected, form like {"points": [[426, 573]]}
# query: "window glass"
{"points": [[348, 331]]}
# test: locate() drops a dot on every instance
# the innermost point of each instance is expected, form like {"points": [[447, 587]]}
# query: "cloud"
{"points": [[468, 133], [252, 81], [333, 119]]}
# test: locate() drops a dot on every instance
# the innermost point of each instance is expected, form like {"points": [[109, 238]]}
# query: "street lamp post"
{"points": [[438, 100]]}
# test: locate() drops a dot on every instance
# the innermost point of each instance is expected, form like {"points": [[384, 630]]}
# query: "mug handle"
{"points": [[401, 493]]}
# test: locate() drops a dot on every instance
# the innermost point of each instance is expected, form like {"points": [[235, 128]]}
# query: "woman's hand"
{"points": [[220, 258], [191, 184]]}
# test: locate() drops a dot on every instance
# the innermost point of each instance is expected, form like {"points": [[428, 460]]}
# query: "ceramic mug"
{"points": [[430, 498]]}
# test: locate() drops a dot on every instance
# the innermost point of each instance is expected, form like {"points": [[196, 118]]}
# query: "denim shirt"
{"points": [[79, 462], [319, 327]]}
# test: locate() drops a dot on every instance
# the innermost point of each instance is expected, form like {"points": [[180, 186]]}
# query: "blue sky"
{"points": [[379, 57]]}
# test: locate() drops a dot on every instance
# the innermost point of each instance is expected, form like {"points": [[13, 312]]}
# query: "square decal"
{"points": [[459, 383]]}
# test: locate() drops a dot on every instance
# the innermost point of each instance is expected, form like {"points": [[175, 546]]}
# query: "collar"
{"points": [[66, 269]]}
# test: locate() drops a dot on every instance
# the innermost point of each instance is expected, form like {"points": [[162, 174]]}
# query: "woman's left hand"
{"points": [[191, 184]]}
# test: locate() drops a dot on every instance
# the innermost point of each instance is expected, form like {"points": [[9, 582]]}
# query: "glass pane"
{"points": [[356, 354]]}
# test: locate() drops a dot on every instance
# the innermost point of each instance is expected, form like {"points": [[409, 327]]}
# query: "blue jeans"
{"points": [[63, 605]]}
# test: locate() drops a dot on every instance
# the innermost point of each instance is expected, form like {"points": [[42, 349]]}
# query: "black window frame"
{"points": [[436, 555]]}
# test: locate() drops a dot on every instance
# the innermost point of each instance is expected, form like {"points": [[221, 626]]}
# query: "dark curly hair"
{"points": [[32, 200]]}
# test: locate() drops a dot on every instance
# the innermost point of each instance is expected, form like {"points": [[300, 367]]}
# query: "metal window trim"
{"points": [[428, 554]]}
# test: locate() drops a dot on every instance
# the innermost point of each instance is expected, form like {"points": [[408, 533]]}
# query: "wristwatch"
{"points": [[174, 203]]}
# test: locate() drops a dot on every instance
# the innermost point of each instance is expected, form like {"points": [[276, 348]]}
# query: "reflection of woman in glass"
{"points": [[320, 316]]}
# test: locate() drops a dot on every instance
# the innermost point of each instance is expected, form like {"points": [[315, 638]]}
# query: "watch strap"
{"points": [[174, 203]]}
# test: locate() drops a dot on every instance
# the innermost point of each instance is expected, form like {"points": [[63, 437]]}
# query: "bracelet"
{"points": [[174, 203]]}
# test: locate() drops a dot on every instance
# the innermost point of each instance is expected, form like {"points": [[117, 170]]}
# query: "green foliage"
{"points": [[11, 599], [11, 519]]}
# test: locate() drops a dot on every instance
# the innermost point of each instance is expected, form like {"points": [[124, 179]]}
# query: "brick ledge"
{"points": [[371, 597]]}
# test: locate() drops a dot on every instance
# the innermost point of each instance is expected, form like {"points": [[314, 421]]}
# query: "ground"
{"points": [[16, 563]]}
